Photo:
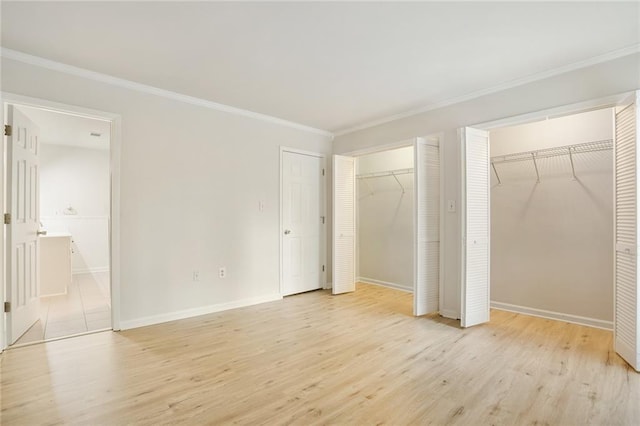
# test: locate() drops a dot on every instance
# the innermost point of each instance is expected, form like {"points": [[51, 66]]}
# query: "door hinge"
{"points": [[7, 307], [322, 217], [322, 268], [322, 172], [7, 130], [7, 218]]}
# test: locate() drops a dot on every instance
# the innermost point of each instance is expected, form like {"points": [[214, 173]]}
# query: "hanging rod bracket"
{"points": [[535, 164], [573, 169], [496, 172], [398, 180]]}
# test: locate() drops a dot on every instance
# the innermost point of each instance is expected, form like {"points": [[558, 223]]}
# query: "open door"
{"points": [[626, 324], [475, 227], [22, 249], [344, 224], [427, 227]]}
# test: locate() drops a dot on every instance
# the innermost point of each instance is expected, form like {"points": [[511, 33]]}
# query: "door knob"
{"points": [[41, 233], [287, 231]]}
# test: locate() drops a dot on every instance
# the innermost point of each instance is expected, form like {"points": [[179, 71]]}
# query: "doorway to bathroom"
{"points": [[57, 244]]}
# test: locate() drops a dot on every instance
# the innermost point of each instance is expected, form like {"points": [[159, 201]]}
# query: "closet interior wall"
{"points": [[385, 185], [552, 240]]}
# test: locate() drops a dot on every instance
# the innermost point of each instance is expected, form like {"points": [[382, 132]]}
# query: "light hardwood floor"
{"points": [[319, 359]]}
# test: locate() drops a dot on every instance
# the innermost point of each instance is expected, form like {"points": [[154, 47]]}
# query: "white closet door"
{"points": [[475, 227], [344, 224], [427, 227], [626, 327]]}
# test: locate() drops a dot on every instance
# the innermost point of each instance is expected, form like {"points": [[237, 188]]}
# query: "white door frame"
{"points": [[556, 112], [114, 231], [323, 208]]}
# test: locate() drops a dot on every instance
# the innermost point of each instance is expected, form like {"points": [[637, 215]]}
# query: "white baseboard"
{"points": [[328, 286], [194, 312], [449, 314], [575, 319], [90, 270], [384, 284]]}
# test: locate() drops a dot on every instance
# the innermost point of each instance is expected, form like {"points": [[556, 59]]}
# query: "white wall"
{"points": [[552, 242], [582, 85], [191, 181], [385, 220], [78, 178]]}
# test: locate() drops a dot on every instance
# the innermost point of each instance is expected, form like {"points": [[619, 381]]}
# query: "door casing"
{"points": [[114, 229]]}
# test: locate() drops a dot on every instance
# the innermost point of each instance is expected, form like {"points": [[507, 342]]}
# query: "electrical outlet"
{"points": [[196, 275], [222, 272]]}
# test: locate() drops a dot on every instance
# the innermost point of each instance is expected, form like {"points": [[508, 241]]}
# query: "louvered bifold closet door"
{"points": [[475, 224], [427, 227], [626, 262], [344, 224]]}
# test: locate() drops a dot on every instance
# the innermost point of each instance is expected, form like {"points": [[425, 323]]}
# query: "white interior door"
{"points": [[475, 227], [427, 227], [626, 324], [344, 224], [302, 222], [22, 254]]}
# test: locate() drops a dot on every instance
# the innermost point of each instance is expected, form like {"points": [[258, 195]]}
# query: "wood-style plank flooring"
{"points": [[319, 359]]}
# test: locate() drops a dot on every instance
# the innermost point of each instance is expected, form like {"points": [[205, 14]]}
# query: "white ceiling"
{"points": [[328, 65], [70, 130]]}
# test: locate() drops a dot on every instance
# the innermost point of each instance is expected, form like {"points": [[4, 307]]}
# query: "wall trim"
{"points": [[557, 112], [151, 90], [615, 54], [574, 319], [394, 286], [194, 312]]}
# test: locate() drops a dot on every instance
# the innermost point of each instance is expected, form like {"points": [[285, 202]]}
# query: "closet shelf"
{"points": [[580, 148], [392, 173], [570, 150], [386, 173]]}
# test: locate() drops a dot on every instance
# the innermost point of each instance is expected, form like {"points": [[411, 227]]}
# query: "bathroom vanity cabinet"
{"points": [[55, 264]]}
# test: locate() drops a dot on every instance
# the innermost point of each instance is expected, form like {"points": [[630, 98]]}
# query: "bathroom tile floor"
{"points": [[85, 307]]}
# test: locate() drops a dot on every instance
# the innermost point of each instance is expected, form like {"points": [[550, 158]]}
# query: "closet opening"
{"points": [[552, 218], [384, 220], [386, 223]]}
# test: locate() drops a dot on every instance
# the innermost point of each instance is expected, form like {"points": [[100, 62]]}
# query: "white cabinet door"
{"points": [[626, 324], [427, 227], [22, 238], [475, 304], [344, 224]]}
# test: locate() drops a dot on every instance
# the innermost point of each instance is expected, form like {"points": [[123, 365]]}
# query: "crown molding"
{"points": [[615, 54], [151, 90]]}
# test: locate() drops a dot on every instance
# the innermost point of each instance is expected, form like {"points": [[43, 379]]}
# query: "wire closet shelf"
{"points": [[393, 173], [570, 150]]}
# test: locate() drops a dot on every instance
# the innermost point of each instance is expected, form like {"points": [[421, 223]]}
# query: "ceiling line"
{"points": [[615, 54], [144, 88]]}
